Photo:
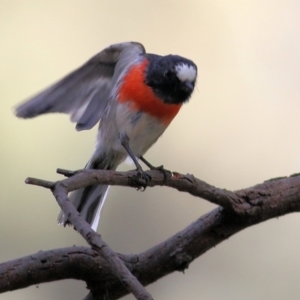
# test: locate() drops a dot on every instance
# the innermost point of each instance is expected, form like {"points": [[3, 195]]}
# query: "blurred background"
{"points": [[240, 128]]}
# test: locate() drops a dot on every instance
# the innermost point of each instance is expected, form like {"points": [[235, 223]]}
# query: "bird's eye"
{"points": [[168, 73]]}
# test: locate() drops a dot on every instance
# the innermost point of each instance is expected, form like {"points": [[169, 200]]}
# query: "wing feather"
{"points": [[84, 93]]}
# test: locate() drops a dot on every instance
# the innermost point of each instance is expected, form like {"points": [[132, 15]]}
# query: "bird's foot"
{"points": [[161, 168], [143, 178]]}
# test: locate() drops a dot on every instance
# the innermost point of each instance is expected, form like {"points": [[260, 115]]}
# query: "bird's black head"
{"points": [[171, 77]]}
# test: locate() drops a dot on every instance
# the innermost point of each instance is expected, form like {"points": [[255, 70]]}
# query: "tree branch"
{"points": [[116, 265], [183, 183], [241, 209]]}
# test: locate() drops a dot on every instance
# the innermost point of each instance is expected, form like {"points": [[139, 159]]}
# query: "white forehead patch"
{"points": [[185, 72]]}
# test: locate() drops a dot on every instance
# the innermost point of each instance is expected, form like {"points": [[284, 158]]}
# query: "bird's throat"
{"points": [[135, 92]]}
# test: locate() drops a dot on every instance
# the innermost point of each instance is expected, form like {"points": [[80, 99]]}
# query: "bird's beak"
{"points": [[188, 86]]}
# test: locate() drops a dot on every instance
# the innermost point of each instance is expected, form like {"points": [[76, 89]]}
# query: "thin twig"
{"points": [[116, 265], [40, 182], [67, 173]]}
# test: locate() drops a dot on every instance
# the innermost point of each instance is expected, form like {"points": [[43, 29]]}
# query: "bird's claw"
{"points": [[144, 177]]}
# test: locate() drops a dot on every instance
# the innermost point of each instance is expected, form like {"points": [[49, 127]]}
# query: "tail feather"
{"points": [[89, 200], [96, 219]]}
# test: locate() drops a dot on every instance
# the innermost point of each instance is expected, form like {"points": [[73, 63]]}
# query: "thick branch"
{"points": [[246, 208]]}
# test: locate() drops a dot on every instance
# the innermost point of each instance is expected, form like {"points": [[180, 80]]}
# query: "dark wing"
{"points": [[85, 93]]}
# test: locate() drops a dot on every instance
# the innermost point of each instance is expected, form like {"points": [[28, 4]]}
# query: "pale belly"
{"points": [[142, 130], [144, 133]]}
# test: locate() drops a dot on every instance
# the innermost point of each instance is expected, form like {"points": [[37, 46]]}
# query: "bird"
{"points": [[132, 94]]}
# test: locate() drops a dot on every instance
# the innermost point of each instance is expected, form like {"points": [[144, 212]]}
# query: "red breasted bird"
{"points": [[135, 96]]}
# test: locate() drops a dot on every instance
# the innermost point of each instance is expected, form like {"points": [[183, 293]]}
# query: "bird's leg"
{"points": [[159, 168], [125, 144], [150, 166]]}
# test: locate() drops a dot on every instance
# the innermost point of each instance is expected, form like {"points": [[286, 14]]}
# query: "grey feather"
{"points": [[89, 200], [88, 95], [86, 92]]}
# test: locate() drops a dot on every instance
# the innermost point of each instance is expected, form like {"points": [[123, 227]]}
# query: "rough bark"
{"points": [[109, 275]]}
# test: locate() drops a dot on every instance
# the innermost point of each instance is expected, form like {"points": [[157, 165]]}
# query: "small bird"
{"points": [[133, 94]]}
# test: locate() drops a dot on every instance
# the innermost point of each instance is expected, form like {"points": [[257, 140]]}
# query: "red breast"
{"points": [[140, 96]]}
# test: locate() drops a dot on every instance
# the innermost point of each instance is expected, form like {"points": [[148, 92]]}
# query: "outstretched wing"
{"points": [[84, 93]]}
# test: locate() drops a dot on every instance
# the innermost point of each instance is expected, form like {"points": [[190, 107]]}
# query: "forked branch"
{"points": [[109, 275]]}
